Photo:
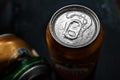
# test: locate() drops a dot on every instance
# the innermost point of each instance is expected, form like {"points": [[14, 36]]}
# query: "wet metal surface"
{"points": [[30, 18]]}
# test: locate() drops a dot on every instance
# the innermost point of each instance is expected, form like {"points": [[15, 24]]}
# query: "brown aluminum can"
{"points": [[74, 37], [11, 48]]}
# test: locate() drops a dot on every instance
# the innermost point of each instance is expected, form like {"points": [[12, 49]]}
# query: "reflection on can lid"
{"points": [[74, 26]]}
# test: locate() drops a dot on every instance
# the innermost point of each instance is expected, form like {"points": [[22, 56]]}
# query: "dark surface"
{"points": [[28, 19]]}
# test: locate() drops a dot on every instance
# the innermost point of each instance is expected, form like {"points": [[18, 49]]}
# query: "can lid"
{"points": [[74, 26]]}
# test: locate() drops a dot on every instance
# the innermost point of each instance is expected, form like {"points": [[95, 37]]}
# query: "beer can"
{"points": [[19, 62], [74, 36], [29, 68], [11, 48]]}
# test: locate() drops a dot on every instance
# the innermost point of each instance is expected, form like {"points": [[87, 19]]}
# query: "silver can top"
{"points": [[74, 26]]}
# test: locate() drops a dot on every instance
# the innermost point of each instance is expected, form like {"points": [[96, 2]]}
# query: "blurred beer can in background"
{"points": [[19, 62], [74, 37]]}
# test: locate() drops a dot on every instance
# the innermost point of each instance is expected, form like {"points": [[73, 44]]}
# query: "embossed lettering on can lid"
{"points": [[74, 26]]}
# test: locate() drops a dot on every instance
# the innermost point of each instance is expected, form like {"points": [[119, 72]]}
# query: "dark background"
{"points": [[28, 19]]}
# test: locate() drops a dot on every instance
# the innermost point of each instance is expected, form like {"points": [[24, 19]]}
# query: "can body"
{"points": [[73, 60]]}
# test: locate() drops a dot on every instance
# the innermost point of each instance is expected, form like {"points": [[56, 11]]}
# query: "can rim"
{"points": [[91, 12], [36, 67]]}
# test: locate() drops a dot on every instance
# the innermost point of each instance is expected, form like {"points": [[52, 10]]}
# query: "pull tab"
{"points": [[72, 29]]}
